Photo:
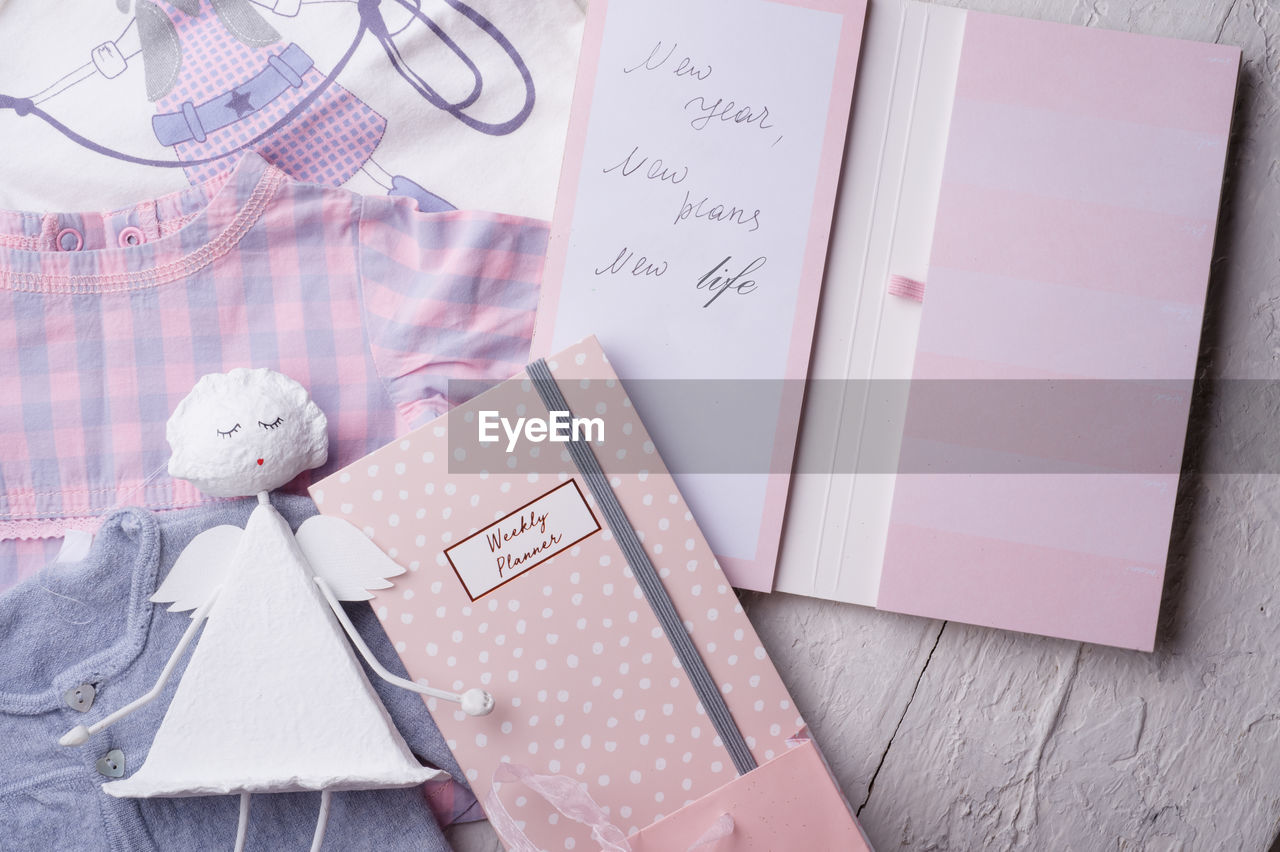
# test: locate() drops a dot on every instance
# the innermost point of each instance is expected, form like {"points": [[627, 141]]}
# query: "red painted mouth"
{"points": [[259, 461]]}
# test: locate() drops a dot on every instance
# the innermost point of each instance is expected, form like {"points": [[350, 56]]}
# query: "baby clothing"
{"points": [[111, 318], [221, 76], [83, 639], [465, 101]]}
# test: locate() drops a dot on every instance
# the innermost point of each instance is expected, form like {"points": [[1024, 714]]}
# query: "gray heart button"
{"points": [[80, 697], [111, 764]]}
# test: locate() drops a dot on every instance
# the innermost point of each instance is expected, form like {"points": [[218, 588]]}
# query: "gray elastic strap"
{"points": [[645, 574]]}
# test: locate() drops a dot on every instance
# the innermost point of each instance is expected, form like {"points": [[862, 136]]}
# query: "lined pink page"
{"points": [[1073, 242]]}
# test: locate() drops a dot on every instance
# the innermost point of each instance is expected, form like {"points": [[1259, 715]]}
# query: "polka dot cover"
{"points": [[585, 681]]}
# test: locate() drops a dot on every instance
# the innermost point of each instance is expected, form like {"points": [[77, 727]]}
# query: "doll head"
{"points": [[245, 431]]}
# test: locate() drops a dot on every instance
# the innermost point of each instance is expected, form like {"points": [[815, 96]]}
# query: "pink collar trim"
{"points": [[221, 211]]}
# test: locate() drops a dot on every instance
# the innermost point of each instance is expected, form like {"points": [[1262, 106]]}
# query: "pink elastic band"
{"points": [[907, 288]]}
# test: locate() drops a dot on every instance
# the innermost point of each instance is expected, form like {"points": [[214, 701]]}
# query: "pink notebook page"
{"points": [[1073, 240], [585, 681], [704, 146]]}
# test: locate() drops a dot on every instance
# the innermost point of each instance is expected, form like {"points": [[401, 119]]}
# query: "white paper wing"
{"points": [[345, 558], [200, 569]]}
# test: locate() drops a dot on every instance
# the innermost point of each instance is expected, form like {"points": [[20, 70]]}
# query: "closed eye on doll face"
{"points": [[263, 415]]}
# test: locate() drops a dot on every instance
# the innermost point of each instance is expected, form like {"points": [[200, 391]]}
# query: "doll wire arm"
{"points": [[475, 702], [80, 733]]}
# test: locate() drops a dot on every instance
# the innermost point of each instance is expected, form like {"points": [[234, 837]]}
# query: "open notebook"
{"points": [[1055, 189]]}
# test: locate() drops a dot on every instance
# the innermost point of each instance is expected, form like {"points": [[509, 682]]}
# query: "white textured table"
{"points": [[946, 736]]}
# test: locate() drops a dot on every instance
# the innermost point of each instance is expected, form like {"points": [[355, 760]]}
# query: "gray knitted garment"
{"points": [[91, 624]]}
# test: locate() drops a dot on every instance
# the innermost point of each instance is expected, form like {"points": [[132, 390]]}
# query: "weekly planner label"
{"points": [[522, 540], [691, 228]]}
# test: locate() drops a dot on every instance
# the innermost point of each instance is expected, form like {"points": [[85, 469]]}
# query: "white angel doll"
{"points": [[273, 698]]}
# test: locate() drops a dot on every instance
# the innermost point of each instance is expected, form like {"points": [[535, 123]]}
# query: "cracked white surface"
{"points": [[958, 737]]}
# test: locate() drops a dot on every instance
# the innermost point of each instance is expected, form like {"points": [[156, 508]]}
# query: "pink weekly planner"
{"points": [[1063, 183], [515, 584]]}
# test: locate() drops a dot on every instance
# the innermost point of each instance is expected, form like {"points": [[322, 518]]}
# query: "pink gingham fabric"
{"points": [[327, 143], [369, 303]]}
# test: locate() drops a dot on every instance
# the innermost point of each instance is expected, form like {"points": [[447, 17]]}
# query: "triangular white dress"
{"points": [[273, 699]]}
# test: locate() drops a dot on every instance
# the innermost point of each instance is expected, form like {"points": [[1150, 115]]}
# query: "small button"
{"points": [[131, 236], [111, 764], [80, 697], [69, 239]]}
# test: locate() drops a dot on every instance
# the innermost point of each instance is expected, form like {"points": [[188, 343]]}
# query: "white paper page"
{"points": [[667, 178], [838, 514]]}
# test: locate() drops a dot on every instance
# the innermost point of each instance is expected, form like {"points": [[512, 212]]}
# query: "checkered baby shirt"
{"points": [[108, 319]]}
